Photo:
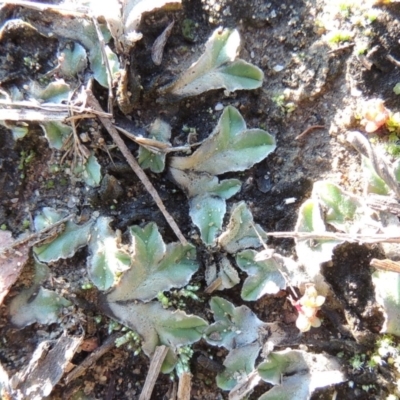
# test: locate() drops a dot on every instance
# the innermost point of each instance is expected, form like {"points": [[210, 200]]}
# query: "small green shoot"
{"points": [[339, 36], [396, 88], [114, 326], [393, 123], [132, 341], [26, 158], [184, 355], [357, 362], [189, 29]]}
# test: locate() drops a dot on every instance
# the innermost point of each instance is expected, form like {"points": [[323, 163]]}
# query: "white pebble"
{"points": [[219, 107]]}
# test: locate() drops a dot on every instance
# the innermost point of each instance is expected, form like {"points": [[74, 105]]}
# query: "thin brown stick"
{"points": [[344, 47], [92, 358], [393, 60], [356, 238], [135, 166], [153, 144], [30, 111], [213, 286], [308, 130], [185, 386], [154, 370], [386, 265], [244, 387]]}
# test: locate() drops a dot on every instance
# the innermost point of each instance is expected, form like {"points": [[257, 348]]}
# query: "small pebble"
{"points": [[278, 68], [219, 107]]}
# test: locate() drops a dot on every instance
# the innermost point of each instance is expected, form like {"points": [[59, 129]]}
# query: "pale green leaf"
{"points": [[231, 147], [298, 373], [73, 60], [132, 15], [233, 326], [155, 266], [107, 259], [36, 305], [396, 170], [341, 209], [155, 161], [229, 276], [197, 183], [91, 173], [240, 232], [98, 66], [207, 213], [48, 216], [156, 325], [387, 291], [265, 277], [239, 363], [152, 161], [294, 387], [55, 92], [373, 182], [65, 245], [312, 252], [217, 69], [56, 133], [19, 129]]}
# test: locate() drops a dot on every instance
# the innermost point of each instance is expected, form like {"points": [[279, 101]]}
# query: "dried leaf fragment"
{"points": [[157, 50], [11, 264]]}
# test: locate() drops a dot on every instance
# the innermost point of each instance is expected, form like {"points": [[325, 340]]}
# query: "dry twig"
{"points": [[92, 101], [37, 237], [386, 265], [154, 370], [31, 111], [154, 145], [308, 130], [353, 238], [185, 386], [92, 358]]}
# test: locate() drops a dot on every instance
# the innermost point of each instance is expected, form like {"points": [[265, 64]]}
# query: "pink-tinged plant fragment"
{"points": [[374, 115], [307, 307]]}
